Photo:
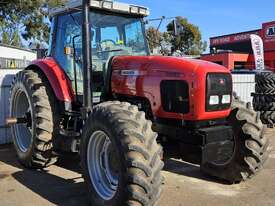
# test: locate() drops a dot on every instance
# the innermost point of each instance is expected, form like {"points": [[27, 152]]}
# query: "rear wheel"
{"points": [[120, 157], [33, 139], [250, 146]]}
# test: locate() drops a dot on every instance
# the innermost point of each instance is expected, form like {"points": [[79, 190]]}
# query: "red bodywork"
{"points": [[58, 79], [151, 70], [141, 77]]}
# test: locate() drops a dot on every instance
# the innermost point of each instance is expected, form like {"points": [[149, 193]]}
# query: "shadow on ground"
{"points": [[55, 189], [49, 183], [190, 170], [59, 188]]}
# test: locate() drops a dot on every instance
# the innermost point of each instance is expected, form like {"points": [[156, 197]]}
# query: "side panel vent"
{"points": [[175, 96]]}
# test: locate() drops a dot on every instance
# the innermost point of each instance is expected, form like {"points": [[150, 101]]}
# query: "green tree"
{"points": [[189, 41], [5, 38], [24, 18], [166, 39], [153, 37], [13, 40], [16, 41]]}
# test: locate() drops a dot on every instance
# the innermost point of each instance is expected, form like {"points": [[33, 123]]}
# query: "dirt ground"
{"points": [[184, 185]]}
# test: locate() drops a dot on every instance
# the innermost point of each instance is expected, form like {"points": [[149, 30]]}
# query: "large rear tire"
{"points": [[250, 146], [130, 173], [33, 140]]}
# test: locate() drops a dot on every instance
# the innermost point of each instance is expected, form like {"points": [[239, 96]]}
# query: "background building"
{"points": [[11, 61], [12, 57], [234, 51]]}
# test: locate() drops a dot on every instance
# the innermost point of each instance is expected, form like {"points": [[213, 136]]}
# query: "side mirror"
{"points": [[177, 27]]}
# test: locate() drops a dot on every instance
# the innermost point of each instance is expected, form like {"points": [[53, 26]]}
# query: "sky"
{"points": [[214, 17]]}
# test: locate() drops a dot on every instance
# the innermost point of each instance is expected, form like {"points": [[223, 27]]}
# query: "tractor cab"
{"points": [[115, 29]]}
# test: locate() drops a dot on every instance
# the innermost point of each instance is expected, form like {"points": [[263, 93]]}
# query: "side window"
{"points": [[51, 45], [69, 36], [69, 32], [134, 36]]}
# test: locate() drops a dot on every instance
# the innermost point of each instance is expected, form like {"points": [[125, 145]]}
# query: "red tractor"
{"points": [[101, 94]]}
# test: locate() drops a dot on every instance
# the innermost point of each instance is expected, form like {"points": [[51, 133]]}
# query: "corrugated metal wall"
{"points": [[244, 85], [6, 77]]}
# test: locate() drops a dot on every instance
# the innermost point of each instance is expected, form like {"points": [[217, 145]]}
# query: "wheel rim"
{"points": [[102, 165], [22, 132]]}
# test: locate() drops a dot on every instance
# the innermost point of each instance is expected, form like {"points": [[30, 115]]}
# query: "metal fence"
{"points": [[244, 84]]}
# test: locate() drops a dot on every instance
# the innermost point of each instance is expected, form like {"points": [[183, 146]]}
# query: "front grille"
{"points": [[218, 84], [175, 96]]}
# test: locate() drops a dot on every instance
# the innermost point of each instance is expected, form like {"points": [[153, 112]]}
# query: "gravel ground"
{"points": [[184, 185]]}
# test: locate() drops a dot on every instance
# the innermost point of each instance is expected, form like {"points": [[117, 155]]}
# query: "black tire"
{"points": [[250, 150], [263, 98], [265, 88], [264, 102], [136, 150], [265, 77], [268, 117], [265, 83], [39, 153]]}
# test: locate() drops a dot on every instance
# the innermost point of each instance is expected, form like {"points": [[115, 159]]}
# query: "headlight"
{"points": [[226, 99], [218, 91], [214, 100]]}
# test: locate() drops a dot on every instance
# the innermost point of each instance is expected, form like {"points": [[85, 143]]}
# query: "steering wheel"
{"points": [[106, 41]]}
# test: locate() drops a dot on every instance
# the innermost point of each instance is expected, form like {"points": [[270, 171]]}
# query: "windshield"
{"points": [[114, 35], [111, 35]]}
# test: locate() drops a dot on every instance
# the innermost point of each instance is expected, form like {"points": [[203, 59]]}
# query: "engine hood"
{"points": [[143, 77], [167, 64]]}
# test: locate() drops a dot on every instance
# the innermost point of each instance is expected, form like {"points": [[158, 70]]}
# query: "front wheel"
{"points": [[250, 146], [120, 157]]}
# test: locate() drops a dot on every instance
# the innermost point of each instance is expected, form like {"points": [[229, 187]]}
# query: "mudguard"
{"points": [[59, 81]]}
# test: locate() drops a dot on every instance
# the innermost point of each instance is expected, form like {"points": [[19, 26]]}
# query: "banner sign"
{"points": [[258, 50]]}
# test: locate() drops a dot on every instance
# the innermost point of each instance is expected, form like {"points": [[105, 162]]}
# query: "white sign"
{"points": [[258, 50]]}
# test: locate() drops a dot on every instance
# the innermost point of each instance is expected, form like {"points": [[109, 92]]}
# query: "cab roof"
{"points": [[106, 5]]}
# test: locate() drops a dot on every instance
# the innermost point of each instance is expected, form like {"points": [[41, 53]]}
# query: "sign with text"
{"points": [[258, 50], [268, 34], [232, 38]]}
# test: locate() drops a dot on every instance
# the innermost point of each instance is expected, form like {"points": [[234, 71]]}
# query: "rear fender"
{"points": [[59, 81]]}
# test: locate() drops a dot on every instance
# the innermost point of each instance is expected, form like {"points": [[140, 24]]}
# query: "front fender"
{"points": [[59, 81]]}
